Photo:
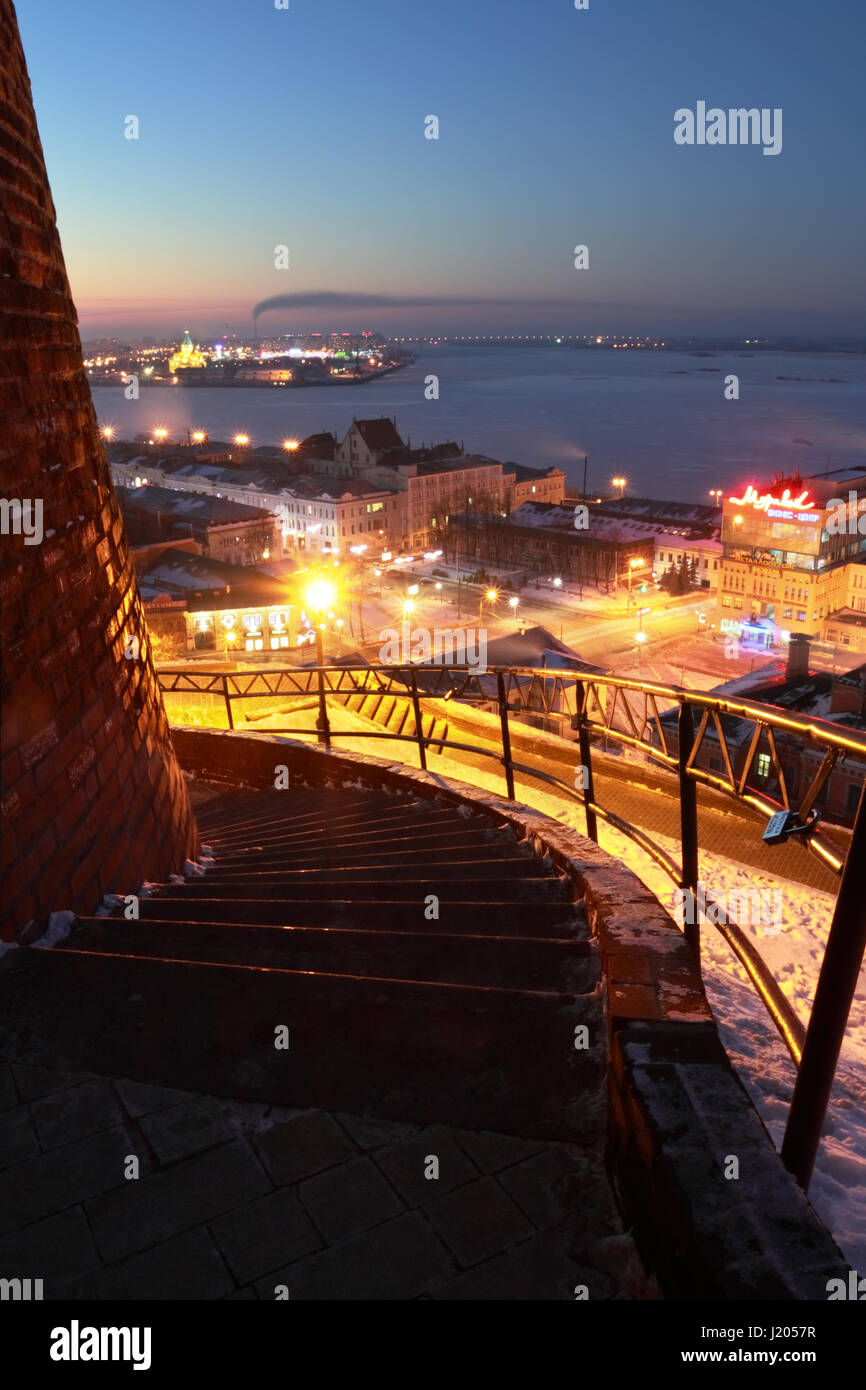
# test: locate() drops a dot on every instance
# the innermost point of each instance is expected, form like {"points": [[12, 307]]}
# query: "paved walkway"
{"points": [[242, 1200]]}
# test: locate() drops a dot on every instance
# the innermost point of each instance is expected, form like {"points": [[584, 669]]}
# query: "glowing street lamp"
{"points": [[620, 483], [242, 440], [198, 436], [291, 445], [717, 493], [160, 433], [108, 431], [320, 595], [490, 597]]}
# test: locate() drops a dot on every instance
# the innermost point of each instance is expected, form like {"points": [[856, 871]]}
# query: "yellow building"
{"points": [[788, 564], [186, 355]]}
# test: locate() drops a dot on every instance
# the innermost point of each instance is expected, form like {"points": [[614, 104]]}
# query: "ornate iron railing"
{"points": [[669, 726]]}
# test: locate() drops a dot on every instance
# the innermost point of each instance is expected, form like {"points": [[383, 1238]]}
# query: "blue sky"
{"points": [[305, 127]]}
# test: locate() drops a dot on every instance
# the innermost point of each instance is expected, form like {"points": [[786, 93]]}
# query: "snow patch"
{"points": [[59, 927]]}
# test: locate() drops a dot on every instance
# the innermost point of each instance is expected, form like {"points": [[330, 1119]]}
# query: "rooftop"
{"points": [[199, 507], [379, 434], [183, 575]]}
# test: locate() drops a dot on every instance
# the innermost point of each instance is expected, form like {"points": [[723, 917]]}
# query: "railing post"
{"points": [[416, 705], [689, 830], [228, 701], [835, 990], [322, 724], [506, 735], [585, 762]]}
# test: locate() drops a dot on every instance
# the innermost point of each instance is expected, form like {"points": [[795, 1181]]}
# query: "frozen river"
{"points": [[658, 418]]}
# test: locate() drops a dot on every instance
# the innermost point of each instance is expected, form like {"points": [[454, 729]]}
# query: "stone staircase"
{"points": [[427, 965], [395, 713]]}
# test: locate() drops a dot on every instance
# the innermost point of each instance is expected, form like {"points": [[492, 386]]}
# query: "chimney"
{"points": [[798, 655]]}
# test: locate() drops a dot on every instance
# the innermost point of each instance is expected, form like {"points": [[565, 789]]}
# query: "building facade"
{"points": [[787, 566], [314, 514]]}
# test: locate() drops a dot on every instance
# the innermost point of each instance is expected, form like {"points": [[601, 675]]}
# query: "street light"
{"points": [[291, 445], [491, 596], [198, 436], [242, 440], [717, 493], [160, 434], [620, 483], [108, 431], [632, 566]]}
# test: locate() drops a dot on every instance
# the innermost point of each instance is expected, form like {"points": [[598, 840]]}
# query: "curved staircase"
{"points": [[427, 965]]}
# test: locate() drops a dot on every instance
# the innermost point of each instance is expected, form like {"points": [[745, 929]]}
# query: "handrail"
{"points": [[673, 743]]}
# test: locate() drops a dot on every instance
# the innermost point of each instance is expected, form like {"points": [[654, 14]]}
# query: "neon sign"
{"points": [[763, 503]]}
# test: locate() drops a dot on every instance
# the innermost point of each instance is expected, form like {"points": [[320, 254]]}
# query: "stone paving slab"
{"points": [[239, 1200]]}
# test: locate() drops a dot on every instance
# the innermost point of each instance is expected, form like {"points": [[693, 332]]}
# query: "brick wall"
{"points": [[92, 799]]}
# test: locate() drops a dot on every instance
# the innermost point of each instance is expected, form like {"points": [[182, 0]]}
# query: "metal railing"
{"points": [[669, 726]]}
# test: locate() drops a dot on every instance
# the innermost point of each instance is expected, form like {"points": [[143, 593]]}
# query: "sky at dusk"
{"points": [[305, 127]]}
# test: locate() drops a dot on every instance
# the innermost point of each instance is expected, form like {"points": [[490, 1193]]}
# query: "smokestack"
{"points": [[798, 656]]}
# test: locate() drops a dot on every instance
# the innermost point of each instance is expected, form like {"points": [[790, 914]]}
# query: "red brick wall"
{"points": [[92, 799]]}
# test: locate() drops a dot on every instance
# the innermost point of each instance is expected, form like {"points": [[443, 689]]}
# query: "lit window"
{"points": [[763, 765]]}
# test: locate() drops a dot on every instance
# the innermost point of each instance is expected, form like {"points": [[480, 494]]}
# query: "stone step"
{"points": [[462, 1056], [555, 964], [396, 853], [377, 832], [414, 879], [456, 914], [276, 810]]}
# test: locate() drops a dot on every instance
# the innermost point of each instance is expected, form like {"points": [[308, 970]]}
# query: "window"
{"points": [[852, 797], [801, 615], [763, 765], [715, 764], [786, 613]]}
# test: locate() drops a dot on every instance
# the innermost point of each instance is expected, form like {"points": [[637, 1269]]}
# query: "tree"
{"points": [[670, 580]]}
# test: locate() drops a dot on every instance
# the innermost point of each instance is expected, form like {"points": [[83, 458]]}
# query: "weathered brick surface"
{"points": [[75, 710]]}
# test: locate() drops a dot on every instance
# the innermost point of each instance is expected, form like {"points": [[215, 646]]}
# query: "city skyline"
{"points": [[305, 128]]}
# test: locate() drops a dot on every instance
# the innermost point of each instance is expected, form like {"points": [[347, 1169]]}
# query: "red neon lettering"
{"points": [[763, 503]]}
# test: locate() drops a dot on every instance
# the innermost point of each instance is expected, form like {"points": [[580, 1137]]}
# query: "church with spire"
{"points": [[186, 355]]}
